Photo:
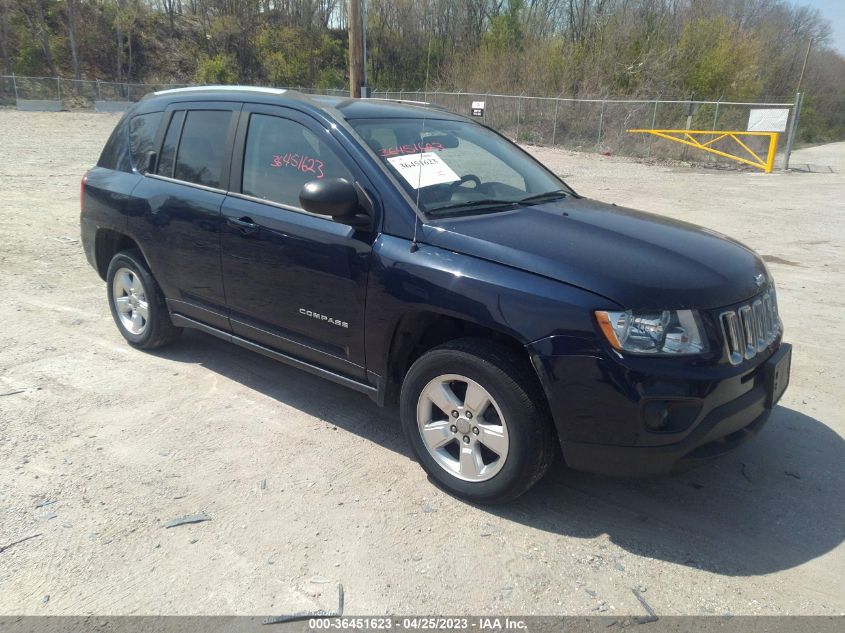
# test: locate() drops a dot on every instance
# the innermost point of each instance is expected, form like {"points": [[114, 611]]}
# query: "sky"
{"points": [[833, 10]]}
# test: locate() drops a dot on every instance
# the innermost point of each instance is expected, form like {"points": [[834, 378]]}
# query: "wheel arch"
{"points": [[107, 244], [416, 332]]}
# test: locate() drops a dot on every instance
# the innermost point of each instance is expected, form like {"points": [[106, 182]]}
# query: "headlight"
{"points": [[642, 332]]}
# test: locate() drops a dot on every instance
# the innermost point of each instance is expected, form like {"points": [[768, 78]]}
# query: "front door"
{"points": [[294, 281]]}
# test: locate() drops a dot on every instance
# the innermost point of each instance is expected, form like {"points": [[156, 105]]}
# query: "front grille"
{"points": [[750, 328]]}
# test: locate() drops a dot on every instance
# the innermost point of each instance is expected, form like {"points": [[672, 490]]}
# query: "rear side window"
{"points": [[142, 136], [281, 156], [116, 151], [167, 159], [202, 147]]}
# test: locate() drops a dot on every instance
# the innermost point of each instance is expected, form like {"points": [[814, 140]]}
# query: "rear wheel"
{"points": [[476, 420], [137, 303]]}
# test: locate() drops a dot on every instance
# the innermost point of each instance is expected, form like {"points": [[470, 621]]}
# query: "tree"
{"points": [[4, 36], [220, 69], [38, 27], [505, 32], [714, 59], [71, 27]]}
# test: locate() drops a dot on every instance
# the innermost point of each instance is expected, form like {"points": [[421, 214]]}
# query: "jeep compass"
{"points": [[422, 258]]}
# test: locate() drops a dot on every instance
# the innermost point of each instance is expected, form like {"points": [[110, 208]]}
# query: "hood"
{"points": [[639, 260]]}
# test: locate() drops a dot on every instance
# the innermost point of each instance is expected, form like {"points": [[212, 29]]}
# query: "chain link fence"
{"points": [[601, 125], [595, 125], [74, 94]]}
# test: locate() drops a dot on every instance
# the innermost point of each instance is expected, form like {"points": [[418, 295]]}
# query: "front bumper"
{"points": [[600, 405], [726, 428]]}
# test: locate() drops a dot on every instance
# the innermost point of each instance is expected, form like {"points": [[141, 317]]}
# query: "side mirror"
{"points": [[149, 166], [335, 197]]}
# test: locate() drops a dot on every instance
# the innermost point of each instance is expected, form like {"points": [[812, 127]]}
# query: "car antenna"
{"points": [[414, 245]]}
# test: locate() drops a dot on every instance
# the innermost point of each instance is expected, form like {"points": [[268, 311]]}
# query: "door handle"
{"points": [[246, 225]]}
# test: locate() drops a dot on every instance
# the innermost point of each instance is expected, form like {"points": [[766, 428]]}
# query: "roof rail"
{"points": [[274, 91], [424, 103], [409, 101]]}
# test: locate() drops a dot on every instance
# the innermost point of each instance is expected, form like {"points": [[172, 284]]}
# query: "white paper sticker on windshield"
{"points": [[423, 170]]}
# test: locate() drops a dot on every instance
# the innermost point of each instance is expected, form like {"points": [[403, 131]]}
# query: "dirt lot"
{"points": [[308, 484]]}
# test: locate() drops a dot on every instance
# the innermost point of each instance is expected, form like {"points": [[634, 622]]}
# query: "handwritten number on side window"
{"points": [[304, 164]]}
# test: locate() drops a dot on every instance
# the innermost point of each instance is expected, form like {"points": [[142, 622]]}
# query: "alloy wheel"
{"points": [[462, 427], [130, 301]]}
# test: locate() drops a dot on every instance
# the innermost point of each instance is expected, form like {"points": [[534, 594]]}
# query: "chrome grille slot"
{"points": [[759, 325], [768, 310], [733, 336], [749, 344], [750, 328]]}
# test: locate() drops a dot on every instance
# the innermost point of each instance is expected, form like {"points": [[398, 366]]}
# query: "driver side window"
{"points": [[282, 155]]}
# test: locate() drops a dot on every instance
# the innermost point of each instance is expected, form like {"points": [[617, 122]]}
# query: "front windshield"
{"points": [[457, 167]]}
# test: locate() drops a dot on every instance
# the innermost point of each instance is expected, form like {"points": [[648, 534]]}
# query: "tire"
{"points": [[511, 443], [137, 304]]}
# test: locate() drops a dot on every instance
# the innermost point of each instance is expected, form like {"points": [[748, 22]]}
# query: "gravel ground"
{"points": [[308, 484]]}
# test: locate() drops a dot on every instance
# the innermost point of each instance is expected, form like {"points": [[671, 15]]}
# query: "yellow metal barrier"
{"points": [[689, 137]]}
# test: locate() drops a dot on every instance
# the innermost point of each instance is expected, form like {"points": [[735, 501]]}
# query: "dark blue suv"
{"points": [[416, 255]]}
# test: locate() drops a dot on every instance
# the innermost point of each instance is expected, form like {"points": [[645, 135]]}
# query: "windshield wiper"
{"points": [[487, 202], [545, 196], [493, 203]]}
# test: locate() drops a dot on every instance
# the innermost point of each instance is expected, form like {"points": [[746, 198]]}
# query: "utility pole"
{"points": [[793, 125], [804, 65], [356, 59], [365, 87], [796, 110]]}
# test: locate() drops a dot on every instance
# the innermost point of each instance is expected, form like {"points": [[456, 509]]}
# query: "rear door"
{"points": [[181, 222], [294, 281]]}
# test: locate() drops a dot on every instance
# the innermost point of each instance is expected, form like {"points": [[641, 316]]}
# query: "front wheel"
{"points": [[476, 420]]}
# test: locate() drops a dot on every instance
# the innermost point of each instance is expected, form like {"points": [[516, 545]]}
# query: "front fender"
{"points": [[521, 305]]}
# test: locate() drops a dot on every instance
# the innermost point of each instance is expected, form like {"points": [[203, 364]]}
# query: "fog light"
{"points": [[655, 414], [669, 416]]}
